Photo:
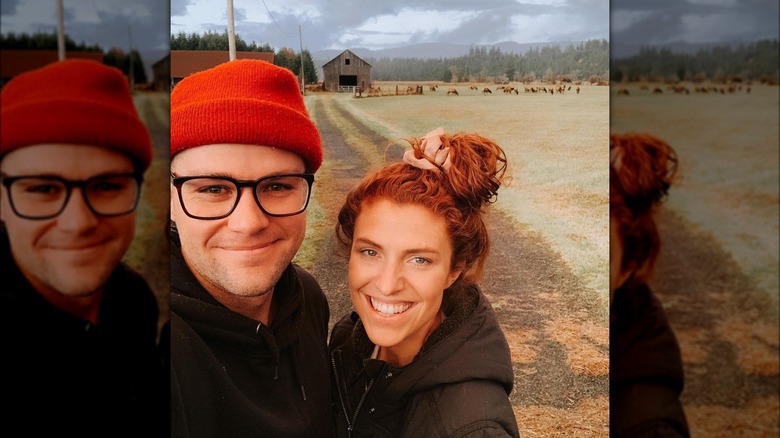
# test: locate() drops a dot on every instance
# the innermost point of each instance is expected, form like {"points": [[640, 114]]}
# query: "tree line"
{"points": [[114, 57], [576, 62], [752, 61], [284, 57]]}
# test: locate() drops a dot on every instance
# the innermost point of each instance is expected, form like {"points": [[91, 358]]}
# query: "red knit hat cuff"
{"points": [[76, 122], [246, 121]]}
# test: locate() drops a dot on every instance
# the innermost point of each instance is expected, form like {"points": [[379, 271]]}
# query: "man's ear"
{"points": [[174, 198]]}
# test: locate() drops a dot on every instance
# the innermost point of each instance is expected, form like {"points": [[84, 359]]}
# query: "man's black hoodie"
{"points": [[233, 376]]}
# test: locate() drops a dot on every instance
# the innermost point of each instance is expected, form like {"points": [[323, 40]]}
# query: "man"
{"points": [[78, 327], [248, 327]]}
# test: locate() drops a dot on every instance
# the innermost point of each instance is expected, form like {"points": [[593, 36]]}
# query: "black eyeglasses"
{"points": [[211, 197], [44, 197]]}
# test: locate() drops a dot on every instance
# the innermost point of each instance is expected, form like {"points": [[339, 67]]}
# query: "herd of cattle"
{"points": [[452, 91], [682, 89]]}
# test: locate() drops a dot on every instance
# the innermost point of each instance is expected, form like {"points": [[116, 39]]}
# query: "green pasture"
{"points": [[557, 151], [728, 150]]}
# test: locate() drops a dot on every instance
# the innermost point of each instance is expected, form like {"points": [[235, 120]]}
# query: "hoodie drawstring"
{"points": [[296, 357], [272, 345]]}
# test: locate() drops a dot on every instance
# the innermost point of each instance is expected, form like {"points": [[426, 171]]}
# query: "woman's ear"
{"points": [[453, 276], [622, 277]]}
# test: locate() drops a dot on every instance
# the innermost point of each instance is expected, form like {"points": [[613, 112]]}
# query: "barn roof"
{"points": [[342, 53], [15, 62], [186, 62]]}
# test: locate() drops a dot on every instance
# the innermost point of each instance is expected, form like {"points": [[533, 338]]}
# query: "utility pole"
{"points": [[131, 73], [60, 32], [231, 31], [300, 39]]}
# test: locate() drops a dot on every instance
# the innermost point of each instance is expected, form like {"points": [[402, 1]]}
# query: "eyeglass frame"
{"points": [[69, 185], [178, 181]]}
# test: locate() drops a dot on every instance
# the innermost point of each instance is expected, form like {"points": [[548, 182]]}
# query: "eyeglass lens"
{"points": [[217, 197], [40, 197]]}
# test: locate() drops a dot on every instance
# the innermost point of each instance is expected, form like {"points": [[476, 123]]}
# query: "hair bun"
{"points": [[477, 167], [642, 167]]}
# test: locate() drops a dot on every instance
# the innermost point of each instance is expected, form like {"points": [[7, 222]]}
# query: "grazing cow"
{"points": [[473, 87], [486, 91], [452, 91], [433, 87], [657, 90], [569, 89], [623, 91], [578, 90]]}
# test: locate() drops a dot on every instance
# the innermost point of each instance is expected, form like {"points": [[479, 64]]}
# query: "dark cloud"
{"points": [[179, 7], [239, 14], [8, 7], [662, 22], [487, 27]]}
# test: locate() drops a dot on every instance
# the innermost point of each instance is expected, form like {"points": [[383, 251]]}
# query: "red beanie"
{"points": [[244, 102], [73, 101]]}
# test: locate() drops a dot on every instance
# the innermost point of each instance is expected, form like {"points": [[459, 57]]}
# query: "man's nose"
{"points": [[247, 217], [77, 216]]}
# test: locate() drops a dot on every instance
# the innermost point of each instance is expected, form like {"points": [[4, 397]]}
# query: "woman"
{"points": [[646, 375], [423, 355]]}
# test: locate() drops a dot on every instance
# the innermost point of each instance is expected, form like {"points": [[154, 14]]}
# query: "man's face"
{"points": [[74, 253], [244, 254]]}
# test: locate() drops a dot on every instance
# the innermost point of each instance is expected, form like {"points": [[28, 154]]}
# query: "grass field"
{"points": [[557, 151], [717, 274], [728, 151]]}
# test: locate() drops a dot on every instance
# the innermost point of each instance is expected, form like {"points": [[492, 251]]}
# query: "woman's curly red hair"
{"points": [[641, 170]]}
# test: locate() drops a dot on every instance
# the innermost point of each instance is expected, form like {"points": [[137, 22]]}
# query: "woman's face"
{"points": [[399, 266]]}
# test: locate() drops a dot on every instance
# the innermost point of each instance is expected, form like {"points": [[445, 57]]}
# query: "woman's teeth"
{"points": [[389, 309]]}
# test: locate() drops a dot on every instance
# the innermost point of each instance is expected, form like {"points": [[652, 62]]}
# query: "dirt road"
{"points": [[728, 333], [557, 332]]}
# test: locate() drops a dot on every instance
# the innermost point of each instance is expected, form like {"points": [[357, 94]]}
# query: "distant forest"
{"points": [[284, 57], [114, 57], [752, 61], [585, 61]]}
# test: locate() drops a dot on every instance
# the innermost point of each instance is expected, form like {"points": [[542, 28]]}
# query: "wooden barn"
{"points": [[186, 62], [345, 72], [15, 62], [162, 74]]}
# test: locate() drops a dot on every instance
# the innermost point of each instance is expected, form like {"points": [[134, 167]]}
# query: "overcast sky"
{"points": [[343, 24], [659, 22]]}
